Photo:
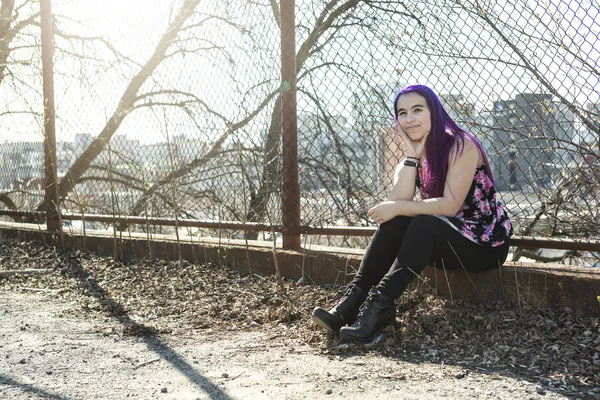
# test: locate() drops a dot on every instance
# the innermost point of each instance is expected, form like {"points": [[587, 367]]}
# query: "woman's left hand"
{"points": [[383, 212]]}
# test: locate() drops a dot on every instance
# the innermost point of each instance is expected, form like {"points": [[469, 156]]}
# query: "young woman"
{"points": [[458, 221]]}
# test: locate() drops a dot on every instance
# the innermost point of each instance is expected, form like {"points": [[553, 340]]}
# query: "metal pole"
{"points": [[51, 192], [291, 188]]}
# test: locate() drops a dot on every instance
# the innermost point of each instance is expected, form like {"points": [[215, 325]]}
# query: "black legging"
{"points": [[402, 247]]}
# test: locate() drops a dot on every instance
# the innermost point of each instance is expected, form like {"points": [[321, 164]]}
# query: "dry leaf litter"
{"points": [[555, 348]]}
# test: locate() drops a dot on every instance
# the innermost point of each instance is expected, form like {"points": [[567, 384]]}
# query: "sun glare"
{"points": [[130, 25], [109, 9]]}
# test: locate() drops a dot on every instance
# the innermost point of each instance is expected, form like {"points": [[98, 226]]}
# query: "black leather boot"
{"points": [[377, 311], [344, 312]]}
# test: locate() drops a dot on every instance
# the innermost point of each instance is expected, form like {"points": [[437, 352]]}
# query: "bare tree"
{"points": [[128, 99], [335, 19], [331, 23], [14, 22]]}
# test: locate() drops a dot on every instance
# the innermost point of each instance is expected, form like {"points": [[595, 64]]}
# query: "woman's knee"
{"points": [[396, 223], [424, 223]]}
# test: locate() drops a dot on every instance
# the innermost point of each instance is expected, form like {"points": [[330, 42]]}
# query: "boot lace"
{"points": [[345, 302], [372, 297]]}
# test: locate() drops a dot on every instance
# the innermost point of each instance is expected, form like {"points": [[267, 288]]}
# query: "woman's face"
{"points": [[413, 115]]}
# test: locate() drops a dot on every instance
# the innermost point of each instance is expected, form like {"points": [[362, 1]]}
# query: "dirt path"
{"points": [[48, 353]]}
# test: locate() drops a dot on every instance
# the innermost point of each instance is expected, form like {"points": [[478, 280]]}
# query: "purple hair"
{"points": [[442, 137]]}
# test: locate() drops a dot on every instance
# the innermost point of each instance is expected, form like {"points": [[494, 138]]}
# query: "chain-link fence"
{"points": [[172, 109]]}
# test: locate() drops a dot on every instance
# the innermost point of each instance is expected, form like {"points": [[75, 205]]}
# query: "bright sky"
{"points": [[90, 9], [128, 24]]}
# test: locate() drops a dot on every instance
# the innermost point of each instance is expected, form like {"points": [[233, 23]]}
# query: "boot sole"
{"points": [[360, 340], [369, 339]]}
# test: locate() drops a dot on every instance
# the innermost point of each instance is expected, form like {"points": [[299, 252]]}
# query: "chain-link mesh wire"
{"points": [[171, 109], [522, 76], [21, 109], [164, 108]]}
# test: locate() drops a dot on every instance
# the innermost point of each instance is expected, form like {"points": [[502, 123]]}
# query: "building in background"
{"points": [[591, 137], [22, 165], [532, 142], [590, 145]]}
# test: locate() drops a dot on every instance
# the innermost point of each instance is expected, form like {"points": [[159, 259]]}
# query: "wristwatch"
{"points": [[410, 163]]}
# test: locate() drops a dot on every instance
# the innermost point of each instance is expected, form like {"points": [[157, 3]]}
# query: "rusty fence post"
{"points": [[289, 124], [51, 184]]}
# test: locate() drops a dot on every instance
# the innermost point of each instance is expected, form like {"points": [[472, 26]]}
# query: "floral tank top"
{"points": [[482, 218]]}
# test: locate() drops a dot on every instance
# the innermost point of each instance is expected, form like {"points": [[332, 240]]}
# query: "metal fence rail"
{"points": [[277, 116]]}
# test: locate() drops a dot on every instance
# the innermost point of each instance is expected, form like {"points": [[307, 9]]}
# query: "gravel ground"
{"points": [[93, 328]]}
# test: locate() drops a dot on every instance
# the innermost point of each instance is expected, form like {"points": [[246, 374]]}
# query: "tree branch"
{"points": [[126, 102]]}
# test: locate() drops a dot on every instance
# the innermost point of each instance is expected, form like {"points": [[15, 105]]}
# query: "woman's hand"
{"points": [[383, 212], [414, 148]]}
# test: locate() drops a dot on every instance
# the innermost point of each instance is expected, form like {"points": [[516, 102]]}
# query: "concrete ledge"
{"points": [[537, 285]]}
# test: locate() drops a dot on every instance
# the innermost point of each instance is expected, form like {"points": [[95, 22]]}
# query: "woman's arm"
{"points": [[404, 183], [404, 175], [458, 182]]}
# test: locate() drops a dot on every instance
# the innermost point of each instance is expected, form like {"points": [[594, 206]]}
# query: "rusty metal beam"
{"points": [[518, 241], [109, 219]]}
